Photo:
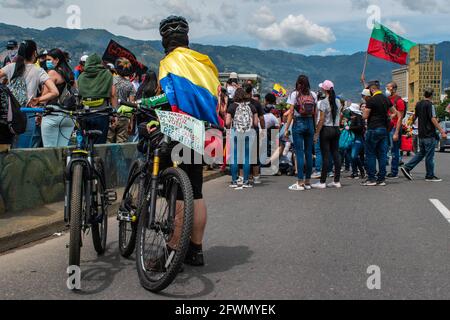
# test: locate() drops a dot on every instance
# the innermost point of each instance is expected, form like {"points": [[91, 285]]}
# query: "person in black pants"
{"points": [[329, 132]]}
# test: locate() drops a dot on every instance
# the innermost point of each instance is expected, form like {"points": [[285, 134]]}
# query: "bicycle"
{"points": [[164, 219], [86, 196]]}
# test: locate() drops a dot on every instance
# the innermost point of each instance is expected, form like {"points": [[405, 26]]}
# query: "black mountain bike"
{"points": [[87, 199], [159, 214]]}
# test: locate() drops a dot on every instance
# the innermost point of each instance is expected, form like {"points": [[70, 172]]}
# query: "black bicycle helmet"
{"points": [[173, 25]]}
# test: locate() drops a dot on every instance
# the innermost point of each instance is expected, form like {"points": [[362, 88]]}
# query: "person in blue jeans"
{"points": [[357, 127], [377, 143], [428, 124], [241, 118], [303, 107]]}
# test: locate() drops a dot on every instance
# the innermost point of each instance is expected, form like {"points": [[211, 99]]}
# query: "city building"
{"points": [[400, 76], [424, 72]]}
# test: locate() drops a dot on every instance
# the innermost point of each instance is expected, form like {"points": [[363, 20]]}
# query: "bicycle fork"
{"points": [[154, 189]]}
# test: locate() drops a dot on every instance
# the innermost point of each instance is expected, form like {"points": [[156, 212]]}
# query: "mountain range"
{"points": [[274, 66]]}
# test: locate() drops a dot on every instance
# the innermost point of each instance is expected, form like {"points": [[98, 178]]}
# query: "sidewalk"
{"points": [[19, 229]]}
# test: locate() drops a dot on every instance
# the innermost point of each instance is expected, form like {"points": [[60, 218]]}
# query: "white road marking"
{"points": [[442, 209]]}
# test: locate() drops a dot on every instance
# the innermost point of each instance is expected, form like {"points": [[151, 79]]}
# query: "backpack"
{"points": [[10, 114], [346, 140], [18, 88], [306, 105], [243, 118], [68, 98]]}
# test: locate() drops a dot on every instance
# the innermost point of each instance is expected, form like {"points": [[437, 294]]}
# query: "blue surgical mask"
{"points": [[50, 65]]}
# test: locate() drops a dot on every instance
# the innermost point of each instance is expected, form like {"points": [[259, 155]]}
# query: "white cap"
{"points": [[366, 93], [233, 75], [355, 108], [84, 58]]}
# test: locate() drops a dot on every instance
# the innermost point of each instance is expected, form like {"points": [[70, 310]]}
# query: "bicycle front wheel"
{"points": [[164, 231], [129, 209], [76, 213], [100, 209]]}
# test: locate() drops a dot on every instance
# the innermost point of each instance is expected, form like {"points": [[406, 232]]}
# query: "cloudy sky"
{"points": [[304, 26]]}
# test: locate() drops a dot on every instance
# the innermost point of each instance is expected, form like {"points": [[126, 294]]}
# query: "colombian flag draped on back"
{"points": [[191, 83]]}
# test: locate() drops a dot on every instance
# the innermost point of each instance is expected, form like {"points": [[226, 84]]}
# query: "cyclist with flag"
{"points": [[191, 83]]}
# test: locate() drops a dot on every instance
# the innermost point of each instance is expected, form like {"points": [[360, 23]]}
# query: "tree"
{"points": [[442, 110]]}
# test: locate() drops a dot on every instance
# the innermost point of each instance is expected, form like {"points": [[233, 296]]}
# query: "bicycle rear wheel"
{"points": [[76, 212], [129, 209], [100, 209], [162, 244]]}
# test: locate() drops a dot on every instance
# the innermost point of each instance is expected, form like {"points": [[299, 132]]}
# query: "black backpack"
{"points": [[10, 114]]}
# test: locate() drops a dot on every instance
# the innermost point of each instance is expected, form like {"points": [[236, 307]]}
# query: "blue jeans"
{"points": [[318, 156], [357, 163], [376, 149], [242, 145], [427, 151], [99, 123], [395, 152], [303, 135], [346, 156]]}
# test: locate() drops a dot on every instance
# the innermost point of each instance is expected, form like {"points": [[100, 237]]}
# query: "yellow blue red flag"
{"points": [[191, 82], [279, 91]]}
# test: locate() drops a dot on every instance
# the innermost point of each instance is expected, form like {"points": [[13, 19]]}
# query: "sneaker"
{"points": [[390, 176], [297, 187], [381, 184], [307, 187], [257, 180], [407, 173], [316, 175], [319, 186], [354, 177], [336, 185], [331, 175], [234, 185], [247, 185], [434, 179], [240, 180], [363, 176], [195, 258], [369, 183]]}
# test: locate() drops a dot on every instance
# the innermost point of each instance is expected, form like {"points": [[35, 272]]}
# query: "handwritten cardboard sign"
{"points": [[184, 129]]}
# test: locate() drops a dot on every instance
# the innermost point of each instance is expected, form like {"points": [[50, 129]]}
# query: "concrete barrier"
{"points": [[34, 177]]}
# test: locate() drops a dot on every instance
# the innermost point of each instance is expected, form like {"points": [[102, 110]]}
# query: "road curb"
{"points": [[22, 238]]}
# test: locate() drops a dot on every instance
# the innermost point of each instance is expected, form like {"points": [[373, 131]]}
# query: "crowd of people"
{"points": [[49, 80], [321, 136]]}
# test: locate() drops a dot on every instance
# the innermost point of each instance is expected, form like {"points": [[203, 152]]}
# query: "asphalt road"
{"points": [[269, 243]]}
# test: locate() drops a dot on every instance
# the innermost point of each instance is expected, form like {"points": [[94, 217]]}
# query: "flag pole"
{"points": [[363, 75]]}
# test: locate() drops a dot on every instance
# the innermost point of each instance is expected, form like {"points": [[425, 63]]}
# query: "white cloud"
{"points": [[143, 23], [330, 52], [38, 9], [183, 8], [396, 26], [264, 16], [292, 32]]}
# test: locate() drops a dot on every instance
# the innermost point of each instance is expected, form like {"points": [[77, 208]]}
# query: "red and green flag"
{"points": [[387, 45]]}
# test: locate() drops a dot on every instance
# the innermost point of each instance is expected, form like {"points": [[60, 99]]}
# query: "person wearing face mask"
{"points": [[376, 114], [57, 128], [399, 104], [25, 70]]}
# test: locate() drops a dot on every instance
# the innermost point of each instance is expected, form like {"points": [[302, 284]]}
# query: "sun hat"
{"points": [[355, 108]]}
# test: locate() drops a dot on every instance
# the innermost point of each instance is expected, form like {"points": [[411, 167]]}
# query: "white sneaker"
{"points": [[316, 175], [297, 187], [307, 187], [240, 180], [335, 185], [319, 186], [257, 180]]}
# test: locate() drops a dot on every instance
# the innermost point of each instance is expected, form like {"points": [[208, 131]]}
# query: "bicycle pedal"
{"points": [[111, 196], [124, 216]]}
